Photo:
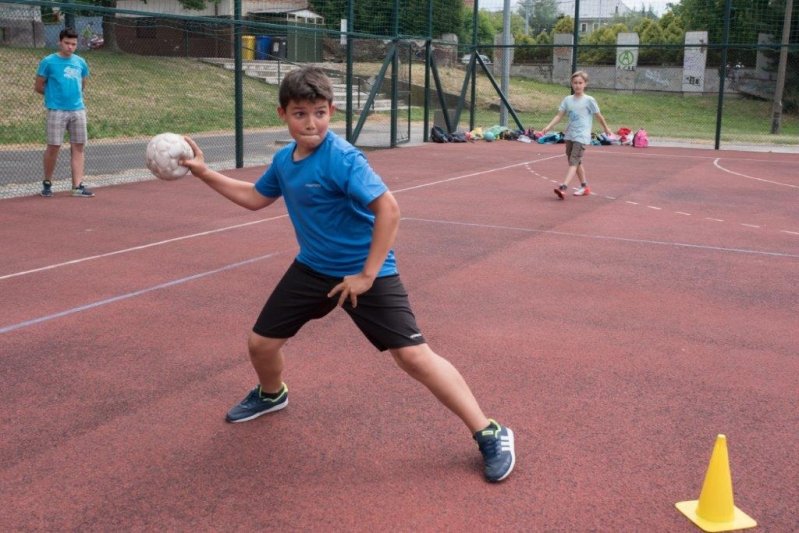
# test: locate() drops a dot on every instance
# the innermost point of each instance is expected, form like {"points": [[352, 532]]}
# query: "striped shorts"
{"points": [[72, 121]]}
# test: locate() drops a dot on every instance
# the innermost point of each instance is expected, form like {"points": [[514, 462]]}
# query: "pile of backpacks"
{"points": [[623, 136]]}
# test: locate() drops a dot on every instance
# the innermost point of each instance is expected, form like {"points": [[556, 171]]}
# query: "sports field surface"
{"points": [[617, 334]]}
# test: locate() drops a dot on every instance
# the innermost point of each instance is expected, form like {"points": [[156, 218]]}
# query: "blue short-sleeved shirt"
{"points": [[63, 90], [581, 113], [327, 194]]}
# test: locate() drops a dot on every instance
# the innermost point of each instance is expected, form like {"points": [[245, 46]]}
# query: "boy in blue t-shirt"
{"points": [[61, 78], [345, 220], [581, 109]]}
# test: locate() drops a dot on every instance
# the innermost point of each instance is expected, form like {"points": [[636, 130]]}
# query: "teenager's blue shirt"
{"points": [[63, 89], [327, 194]]}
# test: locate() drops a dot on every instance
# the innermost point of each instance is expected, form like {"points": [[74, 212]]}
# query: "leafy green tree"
{"points": [[539, 15], [485, 28], [564, 24], [375, 16]]}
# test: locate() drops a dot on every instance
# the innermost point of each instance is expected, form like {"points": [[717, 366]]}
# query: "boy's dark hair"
{"points": [[305, 84], [69, 33]]}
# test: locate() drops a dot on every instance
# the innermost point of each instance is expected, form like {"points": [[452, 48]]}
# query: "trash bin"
{"points": [[248, 47], [262, 46], [278, 50]]}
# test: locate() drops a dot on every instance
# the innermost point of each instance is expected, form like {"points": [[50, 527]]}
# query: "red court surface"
{"points": [[617, 334]]}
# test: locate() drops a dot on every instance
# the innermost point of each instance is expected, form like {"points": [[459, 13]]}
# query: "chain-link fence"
{"points": [[155, 67]]}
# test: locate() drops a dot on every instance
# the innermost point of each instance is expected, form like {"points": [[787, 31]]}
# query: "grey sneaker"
{"points": [[47, 189], [255, 405], [496, 445], [81, 191]]}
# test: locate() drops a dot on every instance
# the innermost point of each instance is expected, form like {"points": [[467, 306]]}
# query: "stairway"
{"points": [[272, 72]]}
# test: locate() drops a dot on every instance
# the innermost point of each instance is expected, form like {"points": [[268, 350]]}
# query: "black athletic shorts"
{"points": [[383, 313]]}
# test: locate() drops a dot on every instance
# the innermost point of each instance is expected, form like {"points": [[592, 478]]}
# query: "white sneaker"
{"points": [[582, 191]]}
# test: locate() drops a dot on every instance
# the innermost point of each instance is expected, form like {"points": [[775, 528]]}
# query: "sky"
{"points": [[658, 6]]}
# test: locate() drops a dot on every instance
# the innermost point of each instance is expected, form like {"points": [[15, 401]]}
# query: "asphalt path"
{"points": [[122, 161]]}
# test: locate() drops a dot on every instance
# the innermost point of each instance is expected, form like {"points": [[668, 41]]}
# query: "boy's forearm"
{"points": [[384, 234], [552, 122], [603, 122], [239, 192]]}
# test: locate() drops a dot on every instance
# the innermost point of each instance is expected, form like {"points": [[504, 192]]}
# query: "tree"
{"points": [[375, 16], [538, 15]]}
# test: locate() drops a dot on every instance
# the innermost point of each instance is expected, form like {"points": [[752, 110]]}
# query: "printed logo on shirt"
{"points": [[72, 73]]}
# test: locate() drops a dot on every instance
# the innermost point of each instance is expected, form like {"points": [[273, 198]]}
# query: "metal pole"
{"points": [[238, 84], [776, 110], [473, 63], [505, 81], [69, 15], [350, 27], [427, 51], [725, 39], [575, 36]]}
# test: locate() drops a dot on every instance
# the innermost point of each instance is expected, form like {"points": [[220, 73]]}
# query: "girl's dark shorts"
{"points": [[383, 313]]}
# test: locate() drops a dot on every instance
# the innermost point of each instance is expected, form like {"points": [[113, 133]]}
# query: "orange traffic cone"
{"points": [[715, 510]]}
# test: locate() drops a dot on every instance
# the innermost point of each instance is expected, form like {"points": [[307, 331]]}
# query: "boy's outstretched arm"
{"points": [[387, 216], [604, 124], [239, 192], [554, 121]]}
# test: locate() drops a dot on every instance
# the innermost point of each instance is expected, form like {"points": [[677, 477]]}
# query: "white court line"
{"points": [[683, 213], [135, 248], [714, 219], [789, 232], [478, 173], [609, 238], [716, 163], [237, 226], [99, 303], [749, 225], [654, 207]]}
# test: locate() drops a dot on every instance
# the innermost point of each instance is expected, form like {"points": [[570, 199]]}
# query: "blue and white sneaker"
{"points": [[81, 191], [47, 189], [496, 445], [255, 405]]}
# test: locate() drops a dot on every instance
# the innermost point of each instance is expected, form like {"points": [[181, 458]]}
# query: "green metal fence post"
{"points": [[239, 92], [723, 72]]}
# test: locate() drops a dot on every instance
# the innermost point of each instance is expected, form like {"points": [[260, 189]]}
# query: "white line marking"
{"points": [[750, 225], [609, 238], [683, 213], [714, 219], [790, 232], [455, 178], [633, 203], [135, 248], [227, 228], [654, 207], [716, 163], [610, 197], [19, 325]]}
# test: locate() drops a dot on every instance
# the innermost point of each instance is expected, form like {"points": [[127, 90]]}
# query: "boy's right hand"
{"points": [[197, 164]]}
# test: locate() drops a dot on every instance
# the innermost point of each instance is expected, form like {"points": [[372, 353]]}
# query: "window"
{"points": [[583, 27]]}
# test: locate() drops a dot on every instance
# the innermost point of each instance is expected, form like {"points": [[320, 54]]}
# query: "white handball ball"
{"points": [[164, 153]]}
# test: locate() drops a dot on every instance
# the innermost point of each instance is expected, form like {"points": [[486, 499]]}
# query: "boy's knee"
{"points": [[413, 358], [262, 347]]}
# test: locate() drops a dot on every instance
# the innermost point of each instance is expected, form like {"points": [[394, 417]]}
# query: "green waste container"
{"points": [[248, 47]]}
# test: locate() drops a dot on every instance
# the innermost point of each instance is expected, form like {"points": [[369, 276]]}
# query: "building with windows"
{"points": [[594, 13]]}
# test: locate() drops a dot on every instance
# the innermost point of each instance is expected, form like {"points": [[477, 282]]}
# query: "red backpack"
{"points": [[640, 139]]}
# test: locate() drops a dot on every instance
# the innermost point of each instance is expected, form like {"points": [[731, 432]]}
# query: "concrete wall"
{"points": [[667, 79]]}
